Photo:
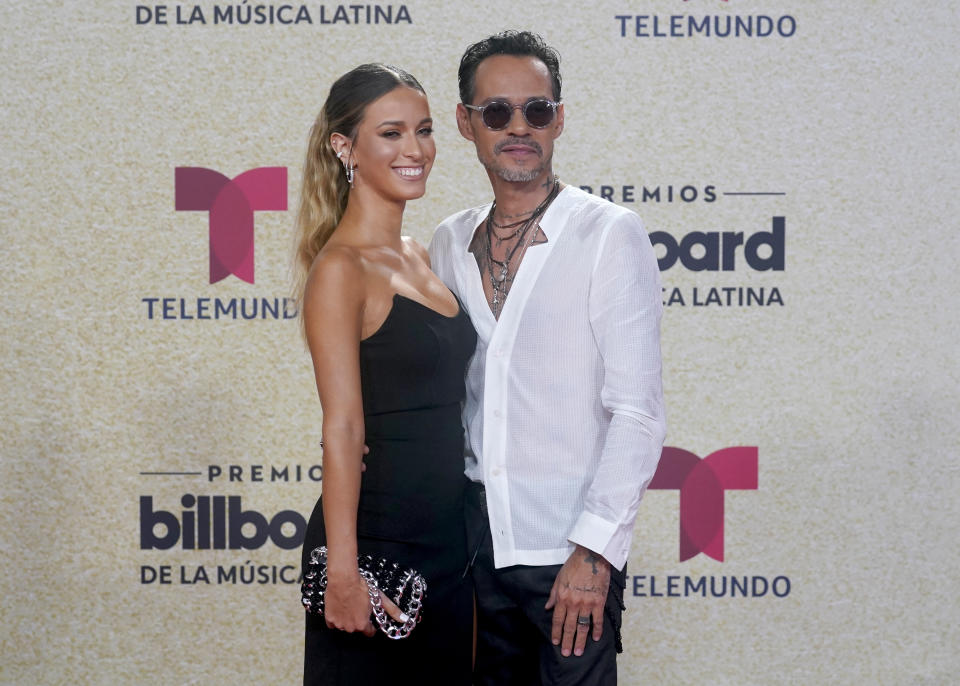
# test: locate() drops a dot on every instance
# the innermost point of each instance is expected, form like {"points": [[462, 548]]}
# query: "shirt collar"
{"points": [[552, 222], [555, 218]]}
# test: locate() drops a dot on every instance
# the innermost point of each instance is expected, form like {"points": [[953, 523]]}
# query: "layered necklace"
{"points": [[501, 272]]}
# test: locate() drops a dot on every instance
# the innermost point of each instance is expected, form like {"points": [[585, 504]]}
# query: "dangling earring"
{"points": [[347, 168]]}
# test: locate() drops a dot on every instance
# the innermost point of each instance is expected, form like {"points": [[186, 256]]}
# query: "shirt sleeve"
{"points": [[625, 304]]}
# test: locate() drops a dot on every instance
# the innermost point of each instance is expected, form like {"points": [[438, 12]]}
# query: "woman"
{"points": [[389, 345]]}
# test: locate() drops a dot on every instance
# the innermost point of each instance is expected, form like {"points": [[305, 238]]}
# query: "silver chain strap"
{"points": [[315, 585], [390, 627]]}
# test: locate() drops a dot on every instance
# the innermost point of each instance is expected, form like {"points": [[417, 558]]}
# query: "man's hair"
{"points": [[517, 43]]}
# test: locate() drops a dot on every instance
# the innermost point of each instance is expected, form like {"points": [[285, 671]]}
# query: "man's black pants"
{"points": [[513, 637]]}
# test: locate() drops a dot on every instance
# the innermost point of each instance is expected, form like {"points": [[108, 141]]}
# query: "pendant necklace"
{"points": [[498, 270], [520, 223]]}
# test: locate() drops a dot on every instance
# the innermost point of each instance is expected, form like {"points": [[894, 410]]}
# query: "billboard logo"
{"points": [[702, 483], [714, 251], [225, 517], [231, 204]]}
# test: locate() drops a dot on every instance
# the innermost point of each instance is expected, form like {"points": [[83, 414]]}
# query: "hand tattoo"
{"points": [[593, 559], [588, 589], [585, 589]]}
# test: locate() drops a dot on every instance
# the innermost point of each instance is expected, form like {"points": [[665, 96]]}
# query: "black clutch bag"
{"points": [[405, 587]]}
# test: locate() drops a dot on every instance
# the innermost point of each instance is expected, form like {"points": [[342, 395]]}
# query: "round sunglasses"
{"points": [[496, 115]]}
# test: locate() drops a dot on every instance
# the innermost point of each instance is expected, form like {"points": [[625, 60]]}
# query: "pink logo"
{"points": [[701, 484], [231, 204]]}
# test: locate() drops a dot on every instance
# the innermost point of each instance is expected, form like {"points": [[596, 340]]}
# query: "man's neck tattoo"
{"points": [[548, 184]]}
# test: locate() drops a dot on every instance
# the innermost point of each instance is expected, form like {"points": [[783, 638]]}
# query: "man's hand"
{"points": [[579, 593]]}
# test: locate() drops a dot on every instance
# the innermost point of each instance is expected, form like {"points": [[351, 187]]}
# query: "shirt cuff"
{"points": [[603, 537]]}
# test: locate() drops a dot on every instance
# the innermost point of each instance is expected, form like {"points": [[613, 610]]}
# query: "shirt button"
{"points": [[496, 472], [497, 414]]}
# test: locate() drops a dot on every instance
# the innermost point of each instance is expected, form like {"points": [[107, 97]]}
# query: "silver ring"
{"points": [[583, 621]]}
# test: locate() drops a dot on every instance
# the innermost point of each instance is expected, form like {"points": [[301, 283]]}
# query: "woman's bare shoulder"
{"points": [[337, 276], [417, 249]]}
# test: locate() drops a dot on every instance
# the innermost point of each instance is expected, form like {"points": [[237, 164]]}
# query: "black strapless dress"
{"points": [[411, 501]]}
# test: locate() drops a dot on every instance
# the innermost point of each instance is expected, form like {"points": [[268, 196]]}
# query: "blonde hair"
{"points": [[324, 190], [323, 199]]}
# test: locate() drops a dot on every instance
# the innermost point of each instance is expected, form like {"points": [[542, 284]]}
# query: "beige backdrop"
{"points": [[848, 389]]}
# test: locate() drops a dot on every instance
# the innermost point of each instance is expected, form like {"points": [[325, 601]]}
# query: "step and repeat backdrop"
{"points": [[795, 163]]}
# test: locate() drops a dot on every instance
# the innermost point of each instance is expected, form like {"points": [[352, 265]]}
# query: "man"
{"points": [[564, 411]]}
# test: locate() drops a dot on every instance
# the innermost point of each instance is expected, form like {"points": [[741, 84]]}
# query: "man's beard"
{"points": [[514, 175]]}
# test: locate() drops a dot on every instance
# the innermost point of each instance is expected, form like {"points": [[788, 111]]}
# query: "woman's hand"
{"points": [[392, 609], [347, 605], [348, 608]]}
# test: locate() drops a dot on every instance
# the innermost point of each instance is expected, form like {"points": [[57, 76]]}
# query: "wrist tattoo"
{"points": [[593, 559]]}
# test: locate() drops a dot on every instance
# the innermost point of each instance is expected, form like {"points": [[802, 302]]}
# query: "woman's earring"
{"points": [[346, 167]]}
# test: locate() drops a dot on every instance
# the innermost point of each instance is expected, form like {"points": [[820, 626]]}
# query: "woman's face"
{"points": [[394, 149]]}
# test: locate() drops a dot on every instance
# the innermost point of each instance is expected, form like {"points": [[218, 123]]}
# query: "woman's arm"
{"points": [[333, 306]]}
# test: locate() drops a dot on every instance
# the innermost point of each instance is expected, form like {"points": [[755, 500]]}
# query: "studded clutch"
{"points": [[405, 587]]}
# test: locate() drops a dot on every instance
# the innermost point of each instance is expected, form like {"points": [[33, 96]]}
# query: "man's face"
{"points": [[520, 152]]}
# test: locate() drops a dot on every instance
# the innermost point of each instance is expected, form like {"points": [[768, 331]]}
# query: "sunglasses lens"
{"points": [[496, 115], [539, 113]]}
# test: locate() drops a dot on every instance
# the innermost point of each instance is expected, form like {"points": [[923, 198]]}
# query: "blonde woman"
{"points": [[390, 344]]}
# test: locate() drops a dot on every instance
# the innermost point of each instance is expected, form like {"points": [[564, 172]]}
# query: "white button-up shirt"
{"points": [[564, 410]]}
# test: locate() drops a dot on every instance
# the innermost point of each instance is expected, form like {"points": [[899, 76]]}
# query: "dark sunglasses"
{"points": [[496, 115]]}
